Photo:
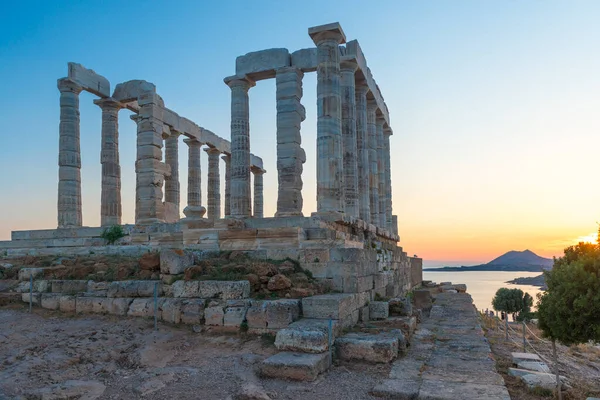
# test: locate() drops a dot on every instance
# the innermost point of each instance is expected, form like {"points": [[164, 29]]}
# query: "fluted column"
{"points": [[110, 199], [362, 143], [240, 146], [227, 159], [350, 150], [387, 132], [172, 187], [149, 168], [69, 156], [381, 172], [373, 171], [213, 195], [258, 192], [330, 178], [290, 155], [194, 208]]}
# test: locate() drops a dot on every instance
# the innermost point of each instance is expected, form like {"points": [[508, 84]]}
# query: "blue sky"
{"points": [[494, 106]]}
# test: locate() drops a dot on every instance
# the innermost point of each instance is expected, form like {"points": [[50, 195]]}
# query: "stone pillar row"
{"points": [[213, 198], [258, 192], [172, 188], [350, 148], [373, 163]]}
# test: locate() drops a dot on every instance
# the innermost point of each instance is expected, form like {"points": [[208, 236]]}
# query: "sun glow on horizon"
{"points": [[590, 238]]}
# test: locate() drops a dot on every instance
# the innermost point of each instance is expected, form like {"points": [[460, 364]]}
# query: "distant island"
{"points": [[533, 281], [525, 260]]}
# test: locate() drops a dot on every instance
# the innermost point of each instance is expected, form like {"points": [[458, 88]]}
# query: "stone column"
{"points": [[387, 132], [172, 189], [240, 146], [213, 195], [69, 156], [381, 172], [227, 159], [290, 155], [373, 172], [258, 192], [362, 142], [330, 178], [395, 224], [110, 199], [350, 148], [194, 208], [149, 168]]}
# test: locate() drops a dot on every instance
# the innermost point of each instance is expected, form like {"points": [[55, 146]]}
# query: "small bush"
{"points": [[244, 326], [112, 234]]}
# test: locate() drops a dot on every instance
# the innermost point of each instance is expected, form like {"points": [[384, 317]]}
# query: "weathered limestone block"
{"points": [[50, 301], [26, 273], [305, 59], [235, 312], [376, 348], [295, 366], [68, 286], [226, 290], [335, 306], [309, 341], [66, 303], [40, 286], [134, 288], [89, 80], [272, 314], [36, 298], [363, 315], [175, 261], [422, 299], [170, 310], [119, 306], [378, 310], [214, 314], [183, 288], [96, 305], [262, 64], [142, 307], [192, 311]]}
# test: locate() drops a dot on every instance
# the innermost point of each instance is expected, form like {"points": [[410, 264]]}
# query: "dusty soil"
{"points": [[580, 364], [51, 354]]}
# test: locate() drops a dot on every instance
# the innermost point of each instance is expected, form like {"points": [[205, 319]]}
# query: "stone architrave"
{"points": [[213, 187], [387, 132], [69, 156], [381, 172], [290, 155], [362, 142], [258, 192], [350, 148], [373, 172], [240, 146], [172, 187], [194, 208], [110, 199], [330, 178], [149, 168], [227, 207]]}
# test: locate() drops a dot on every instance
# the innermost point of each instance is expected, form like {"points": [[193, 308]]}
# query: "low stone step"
{"points": [[375, 348], [519, 372], [295, 366], [408, 325], [335, 306], [397, 389], [517, 357], [307, 335], [534, 366]]}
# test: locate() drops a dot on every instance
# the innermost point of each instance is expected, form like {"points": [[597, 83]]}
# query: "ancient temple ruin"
{"points": [[352, 237]]}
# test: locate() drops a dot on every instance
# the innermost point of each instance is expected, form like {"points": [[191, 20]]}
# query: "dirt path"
{"points": [[57, 356]]}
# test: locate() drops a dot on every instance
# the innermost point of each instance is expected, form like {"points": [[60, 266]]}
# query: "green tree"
{"points": [[512, 301], [569, 310]]}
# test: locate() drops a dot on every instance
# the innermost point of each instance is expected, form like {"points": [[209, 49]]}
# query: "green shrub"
{"points": [[112, 234]]}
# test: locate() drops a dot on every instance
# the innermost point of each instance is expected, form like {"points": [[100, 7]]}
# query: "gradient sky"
{"points": [[494, 106]]}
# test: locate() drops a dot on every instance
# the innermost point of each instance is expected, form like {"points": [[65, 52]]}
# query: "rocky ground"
{"points": [[48, 355], [579, 364]]}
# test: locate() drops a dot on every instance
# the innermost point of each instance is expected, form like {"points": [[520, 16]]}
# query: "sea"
{"points": [[482, 285]]}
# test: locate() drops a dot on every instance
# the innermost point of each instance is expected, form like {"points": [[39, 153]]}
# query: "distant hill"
{"points": [[525, 260]]}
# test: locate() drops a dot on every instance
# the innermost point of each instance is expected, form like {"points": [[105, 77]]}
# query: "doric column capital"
{"points": [[348, 66], [328, 32], [372, 105], [257, 171], [108, 103], [67, 85], [212, 151], [239, 82], [192, 142]]}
